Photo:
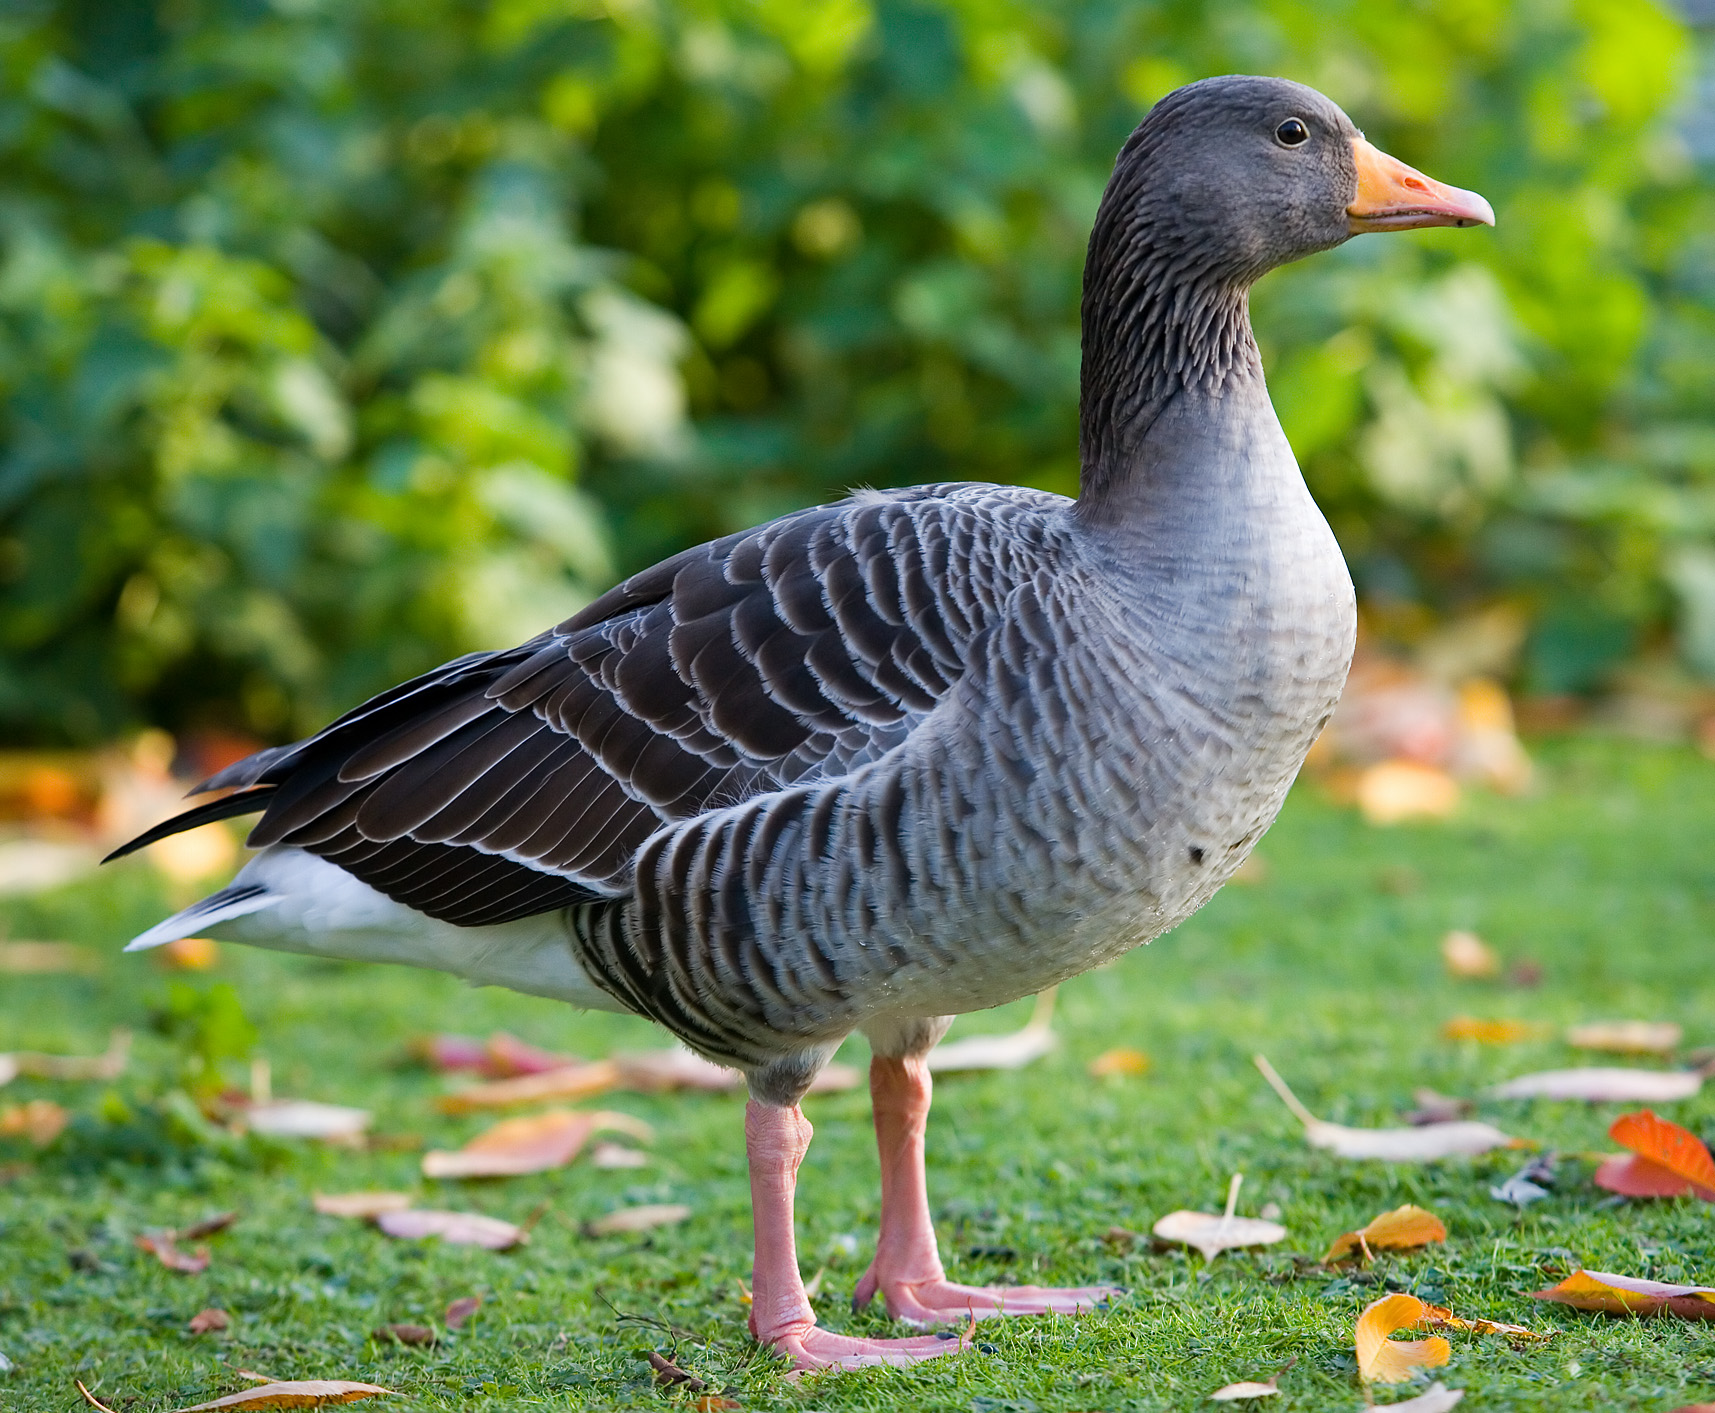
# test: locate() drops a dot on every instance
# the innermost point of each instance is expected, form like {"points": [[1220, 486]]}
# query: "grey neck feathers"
{"points": [[1165, 312]]}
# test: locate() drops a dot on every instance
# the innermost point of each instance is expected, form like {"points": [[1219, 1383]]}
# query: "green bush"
{"points": [[339, 336]]}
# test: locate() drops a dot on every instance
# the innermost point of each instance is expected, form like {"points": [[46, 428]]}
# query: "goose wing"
{"points": [[509, 783]]}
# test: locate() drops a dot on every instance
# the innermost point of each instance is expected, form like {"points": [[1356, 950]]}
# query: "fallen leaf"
{"points": [[1000, 1052], [1626, 1295], [1438, 1399], [366, 1205], [1468, 956], [208, 1226], [454, 1228], [1434, 1108], [189, 954], [449, 1052], [670, 1375], [1633, 1037], [713, 1403], [1119, 1062], [617, 1155], [1399, 790], [1599, 1084], [529, 1145], [460, 1310], [417, 1336], [208, 1321], [635, 1219], [1423, 1144], [161, 1245], [1492, 1032], [1387, 1361], [110, 1064], [45, 958], [305, 1118], [661, 1071], [293, 1393], [41, 1121], [1439, 1317], [1665, 1160], [1399, 1230], [1531, 1183], [1249, 1388], [506, 1057], [578, 1081], [1213, 1234]]}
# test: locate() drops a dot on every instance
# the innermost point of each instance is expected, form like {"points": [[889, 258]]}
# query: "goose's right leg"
{"points": [[775, 1141]]}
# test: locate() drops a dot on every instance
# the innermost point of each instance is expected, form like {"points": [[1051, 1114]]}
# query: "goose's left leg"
{"points": [[907, 1269]]}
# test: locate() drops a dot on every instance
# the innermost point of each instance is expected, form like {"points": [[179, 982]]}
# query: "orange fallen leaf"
{"points": [[1121, 1061], [293, 1393], [713, 1403], [1439, 1317], [208, 1321], [1492, 1032], [1665, 1160], [1399, 790], [578, 1081], [1626, 1295], [1603, 1084], [41, 1121], [454, 1228], [635, 1219], [1398, 1230], [529, 1145], [460, 1310], [1423, 1144], [1468, 956], [189, 954], [1001, 1052], [1387, 1361], [162, 1246], [366, 1205], [1213, 1234], [1633, 1037]]}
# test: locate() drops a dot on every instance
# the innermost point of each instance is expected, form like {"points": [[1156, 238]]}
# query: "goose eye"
{"points": [[1292, 133]]}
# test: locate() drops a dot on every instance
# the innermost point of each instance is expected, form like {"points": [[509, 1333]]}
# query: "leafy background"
{"points": [[340, 336]]}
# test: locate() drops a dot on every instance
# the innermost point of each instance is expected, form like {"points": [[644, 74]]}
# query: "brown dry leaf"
{"points": [[1599, 1084], [161, 1245], [568, 1082], [1399, 1230], [1248, 1388], [365, 1205], [110, 1064], [1436, 1108], [293, 1393], [1439, 1317], [45, 958], [455, 1228], [1387, 1361], [460, 1310], [1665, 1161], [1632, 1037], [506, 1057], [1492, 1032], [189, 954], [635, 1219], [670, 1375], [1423, 1144], [529, 1145], [1213, 1234], [660, 1071], [1001, 1052], [41, 1121], [208, 1321], [1120, 1061], [208, 1226], [305, 1118], [1399, 790], [417, 1336], [1468, 956], [1626, 1295]]}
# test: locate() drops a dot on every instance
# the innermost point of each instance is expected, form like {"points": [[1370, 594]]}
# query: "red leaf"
{"points": [[161, 1247], [460, 1311], [1664, 1148], [206, 1321]]}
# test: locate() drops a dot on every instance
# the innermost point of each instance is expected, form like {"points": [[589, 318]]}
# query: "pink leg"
{"points": [[780, 1315], [907, 1268]]}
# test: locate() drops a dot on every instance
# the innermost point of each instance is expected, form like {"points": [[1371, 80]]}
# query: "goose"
{"points": [[881, 762]]}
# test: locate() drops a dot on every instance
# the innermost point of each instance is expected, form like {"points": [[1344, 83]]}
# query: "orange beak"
{"points": [[1394, 197]]}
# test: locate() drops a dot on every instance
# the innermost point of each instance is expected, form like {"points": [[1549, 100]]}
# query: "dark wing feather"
{"points": [[504, 784]]}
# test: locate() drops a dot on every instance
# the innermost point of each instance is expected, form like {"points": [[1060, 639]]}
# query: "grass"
{"points": [[1604, 878]]}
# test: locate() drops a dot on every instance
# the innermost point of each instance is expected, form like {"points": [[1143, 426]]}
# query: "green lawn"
{"points": [[1605, 878]]}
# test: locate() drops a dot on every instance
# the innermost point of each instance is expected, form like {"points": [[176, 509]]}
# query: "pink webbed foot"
{"points": [[812, 1347], [938, 1301]]}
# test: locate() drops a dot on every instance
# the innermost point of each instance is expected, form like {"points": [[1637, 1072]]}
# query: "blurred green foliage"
{"points": [[339, 336]]}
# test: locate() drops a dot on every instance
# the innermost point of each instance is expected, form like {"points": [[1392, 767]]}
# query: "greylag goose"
{"points": [[877, 763]]}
